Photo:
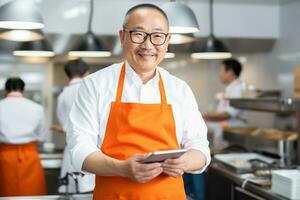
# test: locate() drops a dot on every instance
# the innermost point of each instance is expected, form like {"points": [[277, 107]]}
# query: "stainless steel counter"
{"points": [[51, 160], [51, 163], [279, 106], [234, 177]]}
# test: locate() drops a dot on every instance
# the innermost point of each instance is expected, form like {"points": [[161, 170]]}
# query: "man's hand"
{"points": [[175, 167], [134, 169], [191, 161]]}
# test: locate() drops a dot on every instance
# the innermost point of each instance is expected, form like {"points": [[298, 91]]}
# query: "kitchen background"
{"points": [[264, 35]]}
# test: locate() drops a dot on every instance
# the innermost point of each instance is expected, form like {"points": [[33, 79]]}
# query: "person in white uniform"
{"points": [[120, 114], [75, 70], [226, 115], [22, 127]]}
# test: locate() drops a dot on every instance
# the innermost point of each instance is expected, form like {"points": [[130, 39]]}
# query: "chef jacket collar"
{"points": [[235, 82], [133, 77], [75, 81], [14, 94]]}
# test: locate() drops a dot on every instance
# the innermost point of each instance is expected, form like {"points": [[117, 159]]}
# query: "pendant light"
{"points": [[90, 46], [169, 55], [21, 35], [20, 14], [214, 48], [40, 48], [181, 38], [181, 17]]}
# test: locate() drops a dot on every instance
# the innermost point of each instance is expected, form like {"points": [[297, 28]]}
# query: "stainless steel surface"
{"points": [[281, 148], [285, 106], [263, 192], [51, 160], [239, 189], [298, 140], [51, 155], [282, 153], [243, 162], [51, 163], [51, 197]]}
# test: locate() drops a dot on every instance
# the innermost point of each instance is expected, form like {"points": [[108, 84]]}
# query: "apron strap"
{"points": [[162, 91], [121, 86]]}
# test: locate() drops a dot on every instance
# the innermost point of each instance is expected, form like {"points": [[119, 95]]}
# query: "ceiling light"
{"points": [[181, 38], [21, 35], [90, 46], [213, 48], [181, 18], [212, 55], [40, 48], [170, 55], [20, 14], [89, 54]]}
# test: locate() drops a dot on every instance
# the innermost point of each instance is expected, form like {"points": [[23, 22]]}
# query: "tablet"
{"points": [[160, 156]]}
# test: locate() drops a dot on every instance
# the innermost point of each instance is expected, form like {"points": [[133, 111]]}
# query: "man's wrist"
{"points": [[120, 168]]}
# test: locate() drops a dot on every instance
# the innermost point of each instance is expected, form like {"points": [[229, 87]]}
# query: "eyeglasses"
{"points": [[139, 37]]}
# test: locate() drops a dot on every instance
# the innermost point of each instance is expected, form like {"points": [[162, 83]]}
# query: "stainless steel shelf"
{"points": [[279, 106], [285, 106]]}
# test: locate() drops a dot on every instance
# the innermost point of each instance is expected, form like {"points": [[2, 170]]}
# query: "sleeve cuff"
{"points": [[208, 159], [80, 153]]}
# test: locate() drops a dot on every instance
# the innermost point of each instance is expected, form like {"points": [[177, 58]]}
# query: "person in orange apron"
{"points": [[129, 109], [22, 125]]}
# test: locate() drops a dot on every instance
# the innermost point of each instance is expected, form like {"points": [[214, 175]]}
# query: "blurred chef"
{"points": [[75, 70], [226, 115], [22, 126]]}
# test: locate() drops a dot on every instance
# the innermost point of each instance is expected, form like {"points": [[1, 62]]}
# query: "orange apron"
{"points": [[21, 172], [135, 128]]}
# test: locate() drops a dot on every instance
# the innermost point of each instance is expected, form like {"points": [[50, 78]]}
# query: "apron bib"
{"points": [[136, 128]]}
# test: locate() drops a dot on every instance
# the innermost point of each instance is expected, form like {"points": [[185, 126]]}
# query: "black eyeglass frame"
{"points": [[147, 35]]}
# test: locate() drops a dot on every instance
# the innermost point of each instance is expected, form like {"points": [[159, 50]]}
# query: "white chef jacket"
{"points": [[238, 117], [64, 103], [90, 111], [21, 120]]}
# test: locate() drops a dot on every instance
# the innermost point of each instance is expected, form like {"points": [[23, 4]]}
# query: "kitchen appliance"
{"points": [[286, 183]]}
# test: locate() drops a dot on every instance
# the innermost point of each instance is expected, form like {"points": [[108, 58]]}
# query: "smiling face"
{"points": [[144, 57]]}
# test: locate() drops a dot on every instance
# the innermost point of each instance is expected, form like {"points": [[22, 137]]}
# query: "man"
{"points": [[132, 108], [75, 70], [226, 115], [22, 125]]}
